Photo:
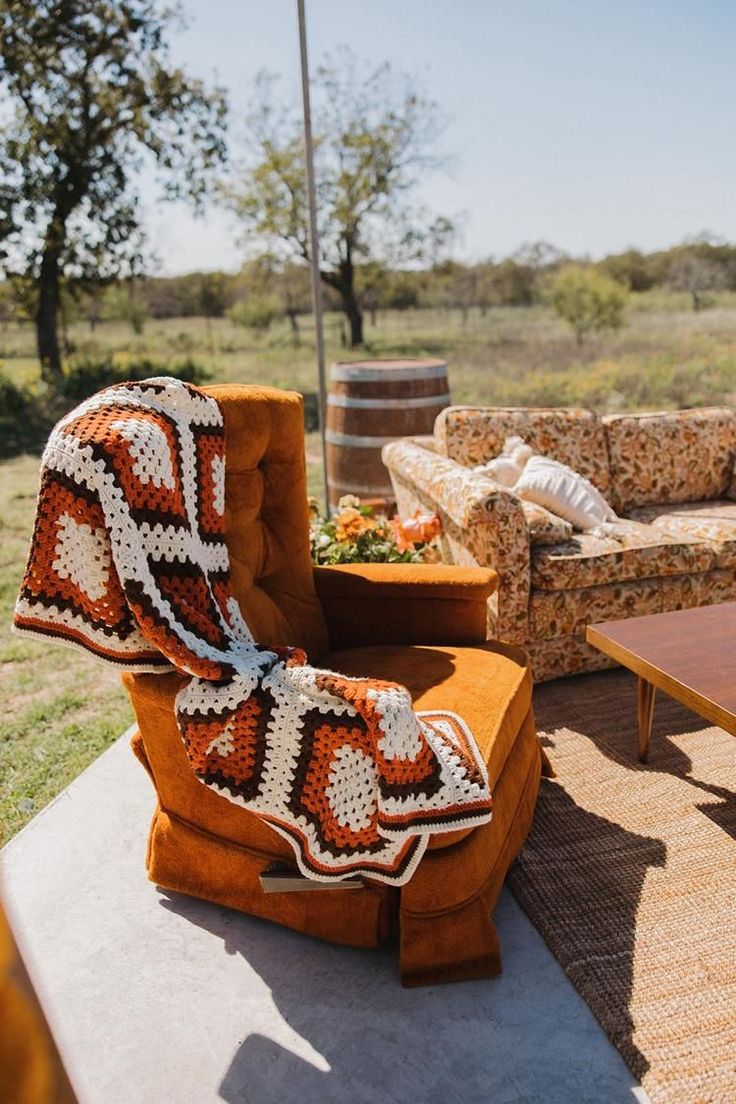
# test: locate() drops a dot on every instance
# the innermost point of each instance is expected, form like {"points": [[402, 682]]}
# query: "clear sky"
{"points": [[592, 124]]}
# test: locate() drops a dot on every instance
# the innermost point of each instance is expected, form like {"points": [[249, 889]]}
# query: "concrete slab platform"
{"points": [[159, 998]]}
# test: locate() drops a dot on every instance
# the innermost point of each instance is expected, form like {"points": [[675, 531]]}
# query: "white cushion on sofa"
{"points": [[564, 492]]}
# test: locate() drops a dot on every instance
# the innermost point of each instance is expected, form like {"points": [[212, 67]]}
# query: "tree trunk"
{"points": [[47, 317], [355, 318], [343, 281], [293, 317]]}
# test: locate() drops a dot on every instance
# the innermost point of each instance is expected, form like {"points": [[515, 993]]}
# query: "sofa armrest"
{"points": [[482, 524], [404, 603]]}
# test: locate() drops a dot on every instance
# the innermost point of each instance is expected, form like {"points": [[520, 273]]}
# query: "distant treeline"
{"points": [[265, 289]]}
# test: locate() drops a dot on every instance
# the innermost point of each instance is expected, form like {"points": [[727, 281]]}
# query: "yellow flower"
{"points": [[348, 502]]}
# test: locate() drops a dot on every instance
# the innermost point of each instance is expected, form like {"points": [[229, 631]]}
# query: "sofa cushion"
{"points": [[476, 434], [713, 521], [554, 613], [642, 551], [673, 457]]}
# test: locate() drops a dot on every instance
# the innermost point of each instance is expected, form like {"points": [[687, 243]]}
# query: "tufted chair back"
{"points": [[266, 516]]}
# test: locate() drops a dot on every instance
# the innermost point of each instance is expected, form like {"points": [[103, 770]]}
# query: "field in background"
{"points": [[60, 709], [667, 354]]}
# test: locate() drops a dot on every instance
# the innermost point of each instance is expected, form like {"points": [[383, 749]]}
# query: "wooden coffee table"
{"points": [[690, 654]]}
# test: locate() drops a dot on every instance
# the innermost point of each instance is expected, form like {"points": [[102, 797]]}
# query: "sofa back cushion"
{"points": [[266, 518], [473, 435], [670, 457]]}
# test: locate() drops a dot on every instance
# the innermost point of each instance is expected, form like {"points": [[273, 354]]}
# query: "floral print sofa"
{"points": [[669, 477]]}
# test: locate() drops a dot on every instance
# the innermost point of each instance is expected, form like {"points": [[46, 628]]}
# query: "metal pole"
{"points": [[314, 243]]}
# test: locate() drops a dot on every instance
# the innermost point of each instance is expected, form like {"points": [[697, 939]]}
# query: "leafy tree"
{"points": [[514, 283], [373, 137], [402, 290], [214, 294], [256, 313], [631, 268], [91, 91], [586, 299]]}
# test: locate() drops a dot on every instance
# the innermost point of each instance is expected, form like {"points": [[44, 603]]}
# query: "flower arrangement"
{"points": [[356, 535]]}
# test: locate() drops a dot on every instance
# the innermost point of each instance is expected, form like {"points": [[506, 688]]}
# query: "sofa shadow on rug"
{"points": [[588, 711], [587, 702]]}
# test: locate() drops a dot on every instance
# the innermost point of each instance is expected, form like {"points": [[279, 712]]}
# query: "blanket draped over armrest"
{"points": [[128, 560]]}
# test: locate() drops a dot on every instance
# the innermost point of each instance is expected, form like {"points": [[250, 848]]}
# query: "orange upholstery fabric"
{"points": [[421, 625], [266, 520], [447, 678], [31, 1071], [404, 603]]}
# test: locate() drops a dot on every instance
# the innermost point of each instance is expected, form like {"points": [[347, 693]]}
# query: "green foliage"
{"points": [[586, 299], [355, 535], [14, 399], [633, 269], [256, 313], [85, 377]]}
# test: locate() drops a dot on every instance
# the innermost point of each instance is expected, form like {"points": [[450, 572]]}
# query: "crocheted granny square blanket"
{"points": [[128, 560]]}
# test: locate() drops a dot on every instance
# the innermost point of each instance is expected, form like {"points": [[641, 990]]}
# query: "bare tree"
{"points": [[696, 275]]}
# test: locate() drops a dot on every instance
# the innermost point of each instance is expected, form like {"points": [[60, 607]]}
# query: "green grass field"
{"points": [[59, 709]]}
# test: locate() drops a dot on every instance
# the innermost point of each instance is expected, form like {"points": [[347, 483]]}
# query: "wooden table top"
{"points": [[690, 654]]}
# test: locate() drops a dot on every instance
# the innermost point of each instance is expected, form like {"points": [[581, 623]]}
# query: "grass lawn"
{"points": [[60, 709]]}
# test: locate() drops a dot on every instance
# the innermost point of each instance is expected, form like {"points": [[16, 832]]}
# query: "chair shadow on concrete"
{"points": [[586, 912], [342, 1028]]}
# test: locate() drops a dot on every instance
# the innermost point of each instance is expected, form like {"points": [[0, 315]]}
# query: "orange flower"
{"points": [[419, 529], [350, 524]]}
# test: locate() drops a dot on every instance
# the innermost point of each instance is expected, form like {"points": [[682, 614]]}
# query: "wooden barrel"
{"points": [[370, 403]]}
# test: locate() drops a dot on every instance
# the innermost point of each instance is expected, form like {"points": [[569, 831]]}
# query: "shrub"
{"points": [[13, 399], [256, 313], [586, 299], [85, 377]]}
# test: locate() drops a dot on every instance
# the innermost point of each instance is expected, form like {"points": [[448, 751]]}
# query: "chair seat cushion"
{"points": [[642, 552], [488, 685], [713, 521]]}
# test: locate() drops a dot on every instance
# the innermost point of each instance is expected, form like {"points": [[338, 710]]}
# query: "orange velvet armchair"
{"points": [[420, 625]]}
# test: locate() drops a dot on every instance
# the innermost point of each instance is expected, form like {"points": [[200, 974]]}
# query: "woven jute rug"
{"points": [[629, 873]]}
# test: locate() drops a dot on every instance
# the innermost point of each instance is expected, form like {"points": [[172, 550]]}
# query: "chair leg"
{"points": [[460, 945]]}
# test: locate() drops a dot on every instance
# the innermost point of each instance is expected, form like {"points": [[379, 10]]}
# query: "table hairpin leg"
{"points": [[645, 713]]}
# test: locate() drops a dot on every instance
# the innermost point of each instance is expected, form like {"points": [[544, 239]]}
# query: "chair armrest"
{"points": [[482, 524], [404, 603]]}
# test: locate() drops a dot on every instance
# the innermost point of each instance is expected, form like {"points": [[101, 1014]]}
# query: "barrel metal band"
{"points": [[345, 373], [352, 440], [347, 401]]}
